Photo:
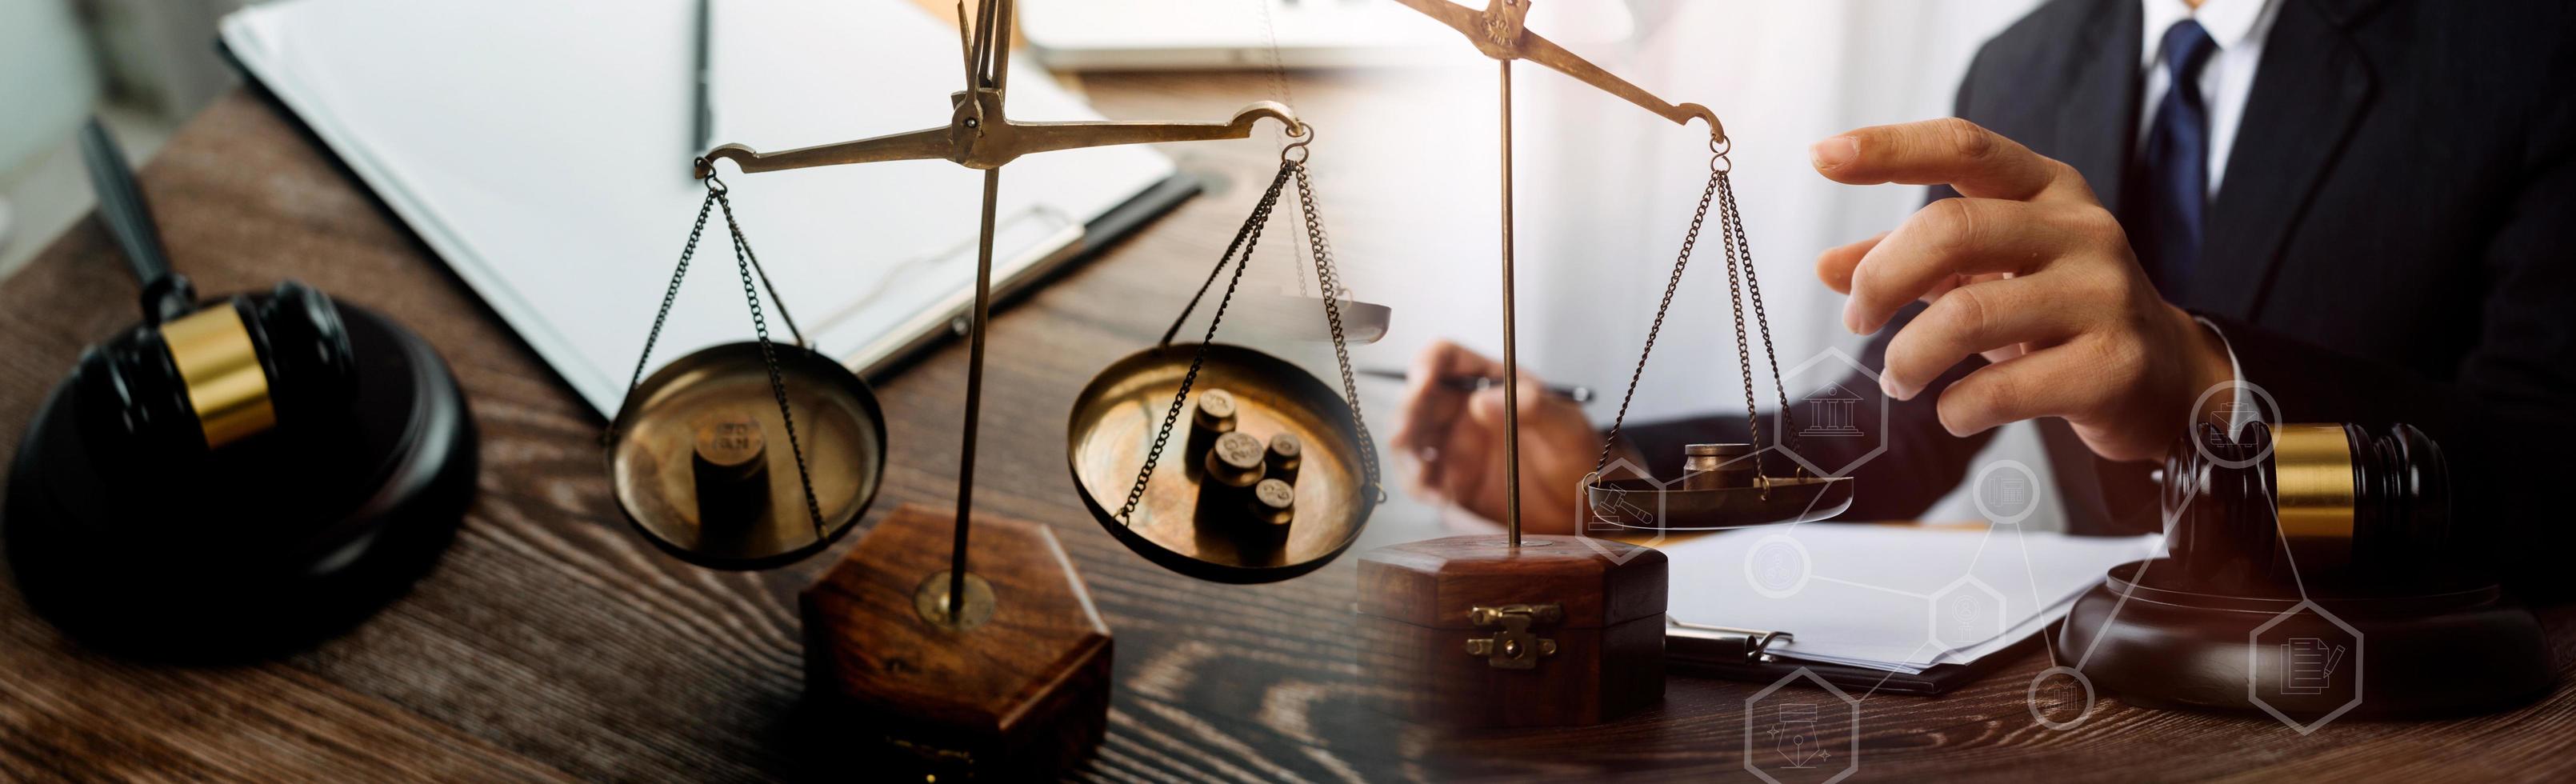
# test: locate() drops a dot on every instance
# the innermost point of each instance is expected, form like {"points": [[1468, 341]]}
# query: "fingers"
{"points": [[1835, 265], [1549, 424], [1948, 239], [1949, 151], [2063, 382], [1450, 359], [1464, 461], [1458, 436], [1557, 447], [1430, 407], [1974, 319]]}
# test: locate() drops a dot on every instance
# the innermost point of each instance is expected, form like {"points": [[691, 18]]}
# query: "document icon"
{"points": [[2308, 665]]}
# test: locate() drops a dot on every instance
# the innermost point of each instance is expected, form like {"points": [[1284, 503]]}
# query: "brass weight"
{"points": [[729, 466], [1716, 466], [1212, 417], [1233, 464], [1285, 455], [1268, 512]]}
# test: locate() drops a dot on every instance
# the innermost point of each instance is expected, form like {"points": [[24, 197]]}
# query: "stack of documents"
{"points": [[543, 151], [1887, 597]]}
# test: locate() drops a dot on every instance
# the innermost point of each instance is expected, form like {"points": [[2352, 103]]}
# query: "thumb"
{"points": [[1486, 408]]}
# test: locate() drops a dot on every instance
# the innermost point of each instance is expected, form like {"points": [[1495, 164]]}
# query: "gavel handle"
{"points": [[166, 294]]}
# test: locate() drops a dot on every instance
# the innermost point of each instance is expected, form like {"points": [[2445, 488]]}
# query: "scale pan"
{"points": [[1113, 426], [1302, 317], [1632, 503], [652, 443]]}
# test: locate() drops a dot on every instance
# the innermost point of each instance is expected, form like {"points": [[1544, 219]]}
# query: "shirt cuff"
{"points": [[2240, 408]]}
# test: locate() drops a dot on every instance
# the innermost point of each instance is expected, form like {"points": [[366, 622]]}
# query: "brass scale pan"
{"points": [[1113, 425], [837, 422], [1644, 504]]}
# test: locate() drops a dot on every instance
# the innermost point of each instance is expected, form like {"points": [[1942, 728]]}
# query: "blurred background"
{"points": [[1605, 191], [144, 66]]}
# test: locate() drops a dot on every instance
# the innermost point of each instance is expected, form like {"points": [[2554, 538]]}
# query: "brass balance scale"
{"points": [[694, 466], [1002, 672], [1749, 498], [1483, 630]]}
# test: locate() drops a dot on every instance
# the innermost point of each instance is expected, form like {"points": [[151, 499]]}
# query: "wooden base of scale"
{"points": [[1560, 631], [1018, 691]]}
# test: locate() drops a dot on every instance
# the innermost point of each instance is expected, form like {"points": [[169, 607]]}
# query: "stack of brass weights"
{"points": [[1247, 487]]}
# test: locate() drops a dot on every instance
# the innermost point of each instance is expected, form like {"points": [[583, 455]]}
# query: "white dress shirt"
{"points": [[2239, 27]]}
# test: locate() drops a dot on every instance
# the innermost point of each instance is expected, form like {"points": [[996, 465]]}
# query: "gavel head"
{"points": [[226, 372], [2272, 506]]}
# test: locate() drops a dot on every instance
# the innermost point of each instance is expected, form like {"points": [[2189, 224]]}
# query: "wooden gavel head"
{"points": [[198, 380], [2271, 506]]}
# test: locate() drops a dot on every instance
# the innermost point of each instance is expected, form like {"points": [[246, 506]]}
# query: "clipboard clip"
{"points": [[1753, 646]]}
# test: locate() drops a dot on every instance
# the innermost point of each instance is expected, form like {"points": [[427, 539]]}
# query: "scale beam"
{"points": [[981, 136], [1497, 31]]}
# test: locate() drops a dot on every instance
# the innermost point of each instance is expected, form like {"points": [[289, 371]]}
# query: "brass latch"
{"points": [[1514, 647]]}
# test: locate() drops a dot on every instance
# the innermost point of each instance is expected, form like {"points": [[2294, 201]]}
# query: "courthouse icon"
{"points": [[1829, 413]]}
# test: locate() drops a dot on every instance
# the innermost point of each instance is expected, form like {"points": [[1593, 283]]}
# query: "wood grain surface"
{"points": [[553, 643]]}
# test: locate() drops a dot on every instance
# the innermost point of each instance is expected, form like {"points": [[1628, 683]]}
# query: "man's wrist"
{"points": [[2219, 393]]}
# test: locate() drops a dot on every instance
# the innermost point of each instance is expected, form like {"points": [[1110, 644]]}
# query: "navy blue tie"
{"points": [[2176, 163]]}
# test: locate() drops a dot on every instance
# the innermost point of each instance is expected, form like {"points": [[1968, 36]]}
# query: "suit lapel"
{"points": [[2096, 129], [2097, 126], [2311, 87]]}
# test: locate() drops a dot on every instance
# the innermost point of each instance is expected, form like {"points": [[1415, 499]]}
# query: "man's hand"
{"points": [[2027, 269], [1456, 440]]}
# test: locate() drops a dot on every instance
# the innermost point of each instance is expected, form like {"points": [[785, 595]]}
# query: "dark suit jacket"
{"points": [[2394, 241]]}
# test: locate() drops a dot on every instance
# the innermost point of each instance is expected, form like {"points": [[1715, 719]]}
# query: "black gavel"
{"points": [[2273, 506]]}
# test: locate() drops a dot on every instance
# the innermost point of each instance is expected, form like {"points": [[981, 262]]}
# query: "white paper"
{"points": [[542, 150], [1880, 596]]}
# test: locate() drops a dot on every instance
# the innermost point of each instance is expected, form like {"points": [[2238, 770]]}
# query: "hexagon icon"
{"points": [[1830, 418], [1790, 737], [1621, 513], [1966, 612], [1778, 566], [2308, 668], [2007, 492]]}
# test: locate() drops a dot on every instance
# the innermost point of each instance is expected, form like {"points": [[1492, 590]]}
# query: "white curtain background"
{"points": [[1605, 192]]}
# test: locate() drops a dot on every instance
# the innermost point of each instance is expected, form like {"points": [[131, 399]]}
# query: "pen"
{"points": [[1476, 383], [706, 119]]}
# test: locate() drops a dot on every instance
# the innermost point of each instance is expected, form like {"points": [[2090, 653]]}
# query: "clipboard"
{"points": [[504, 165], [1745, 655]]}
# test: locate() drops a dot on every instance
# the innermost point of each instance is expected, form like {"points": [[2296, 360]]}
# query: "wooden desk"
{"points": [[553, 643]]}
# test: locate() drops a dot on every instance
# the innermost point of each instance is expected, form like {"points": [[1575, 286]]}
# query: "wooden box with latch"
{"points": [[1469, 631]]}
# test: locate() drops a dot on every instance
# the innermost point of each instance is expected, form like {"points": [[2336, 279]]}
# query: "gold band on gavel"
{"points": [[226, 386], [2313, 479]]}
